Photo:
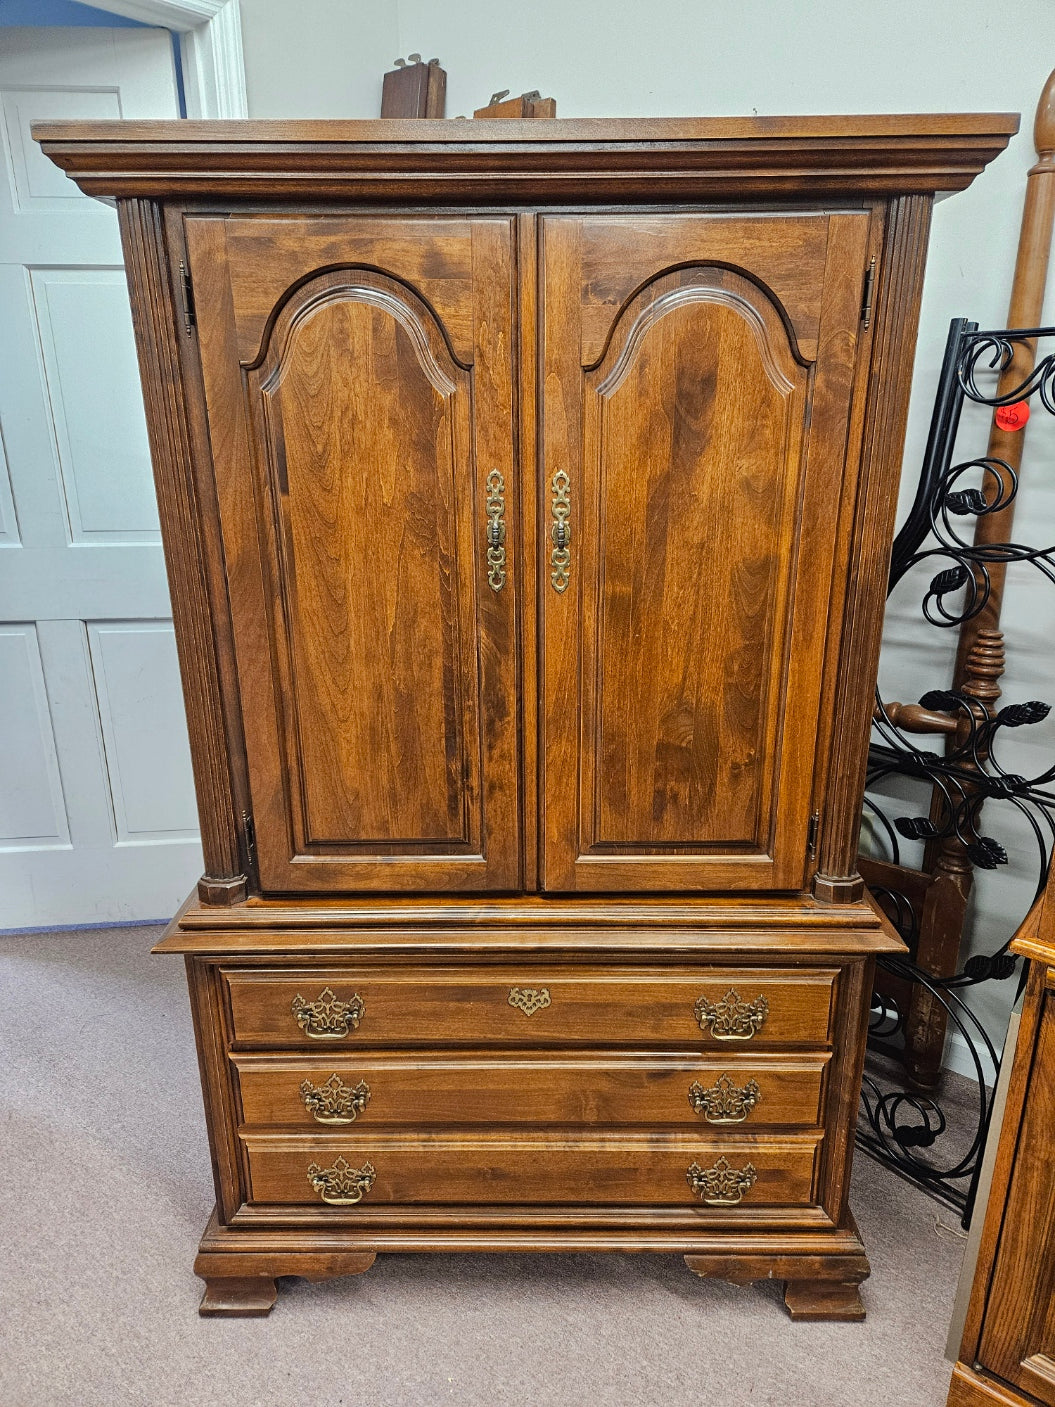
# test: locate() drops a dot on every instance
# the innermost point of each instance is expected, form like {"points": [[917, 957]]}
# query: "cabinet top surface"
{"points": [[519, 130], [885, 154]]}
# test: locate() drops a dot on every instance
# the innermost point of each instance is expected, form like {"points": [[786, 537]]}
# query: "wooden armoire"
{"points": [[1007, 1353], [527, 490]]}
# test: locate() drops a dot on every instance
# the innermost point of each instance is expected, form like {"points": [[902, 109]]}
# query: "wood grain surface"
{"points": [[377, 667], [536, 1168], [616, 1005], [706, 460], [533, 835], [594, 1089]]}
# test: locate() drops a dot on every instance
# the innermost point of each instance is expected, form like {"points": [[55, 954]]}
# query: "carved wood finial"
{"points": [[1044, 122]]}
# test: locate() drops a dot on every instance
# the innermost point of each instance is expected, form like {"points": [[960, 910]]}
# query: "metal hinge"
{"points": [[187, 294], [249, 830], [811, 835], [866, 301]]}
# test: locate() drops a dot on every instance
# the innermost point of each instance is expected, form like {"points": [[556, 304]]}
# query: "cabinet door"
{"points": [[696, 397], [358, 382]]}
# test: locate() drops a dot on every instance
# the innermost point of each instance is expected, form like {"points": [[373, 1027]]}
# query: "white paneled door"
{"points": [[97, 815]]}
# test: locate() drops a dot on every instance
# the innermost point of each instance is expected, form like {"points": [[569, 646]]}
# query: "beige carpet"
{"points": [[105, 1188]]}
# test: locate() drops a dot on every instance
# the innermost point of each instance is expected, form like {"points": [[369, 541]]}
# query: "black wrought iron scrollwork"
{"points": [[906, 1127], [963, 778], [994, 352]]}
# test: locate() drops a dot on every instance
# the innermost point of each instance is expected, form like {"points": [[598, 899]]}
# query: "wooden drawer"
{"points": [[533, 1168], [376, 1089], [530, 1006]]}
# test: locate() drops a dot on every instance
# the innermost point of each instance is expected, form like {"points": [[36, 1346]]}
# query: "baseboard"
{"points": [[958, 1059], [84, 927]]}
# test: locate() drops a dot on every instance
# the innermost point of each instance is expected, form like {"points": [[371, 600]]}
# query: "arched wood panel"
{"points": [[681, 701], [378, 663], [693, 437], [365, 430]]}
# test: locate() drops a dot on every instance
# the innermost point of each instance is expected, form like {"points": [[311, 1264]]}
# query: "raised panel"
{"points": [[433, 255], [32, 809], [691, 425], [364, 424], [622, 253], [99, 428], [140, 703], [356, 424], [37, 183], [695, 443], [9, 534]]}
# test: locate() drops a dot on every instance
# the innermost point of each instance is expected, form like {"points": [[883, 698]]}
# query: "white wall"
{"points": [[325, 58], [317, 58]]}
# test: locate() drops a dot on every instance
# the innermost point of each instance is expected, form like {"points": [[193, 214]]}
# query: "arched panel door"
{"points": [[360, 412], [693, 461]]}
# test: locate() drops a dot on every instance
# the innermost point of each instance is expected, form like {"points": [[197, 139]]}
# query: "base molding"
{"points": [[241, 1283], [822, 1269], [818, 1286], [970, 1389]]}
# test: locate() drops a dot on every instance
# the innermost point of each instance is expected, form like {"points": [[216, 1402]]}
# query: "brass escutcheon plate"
{"points": [[529, 999]]}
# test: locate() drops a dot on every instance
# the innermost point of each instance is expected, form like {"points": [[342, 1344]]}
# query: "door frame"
{"points": [[210, 33]]}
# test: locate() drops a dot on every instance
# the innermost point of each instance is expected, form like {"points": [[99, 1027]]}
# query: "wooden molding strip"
{"points": [[172, 457], [585, 159], [899, 294]]}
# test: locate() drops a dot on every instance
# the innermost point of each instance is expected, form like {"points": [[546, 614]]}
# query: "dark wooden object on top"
{"points": [[414, 89], [527, 491], [531, 104], [1007, 1354], [939, 892]]}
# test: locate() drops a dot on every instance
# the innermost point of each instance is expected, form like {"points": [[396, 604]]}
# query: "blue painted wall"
{"points": [[60, 12]]}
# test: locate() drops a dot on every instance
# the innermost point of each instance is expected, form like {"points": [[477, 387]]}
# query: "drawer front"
{"points": [[724, 1008], [654, 1169], [685, 1089]]}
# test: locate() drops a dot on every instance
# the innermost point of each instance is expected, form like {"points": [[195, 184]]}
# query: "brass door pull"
{"points": [[724, 1102], [342, 1185], [731, 1019], [560, 531], [723, 1185], [334, 1102], [496, 530], [529, 999], [327, 1018]]}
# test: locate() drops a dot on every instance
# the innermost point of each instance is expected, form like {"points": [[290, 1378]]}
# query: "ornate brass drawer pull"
{"points": [[342, 1185], [529, 999], [560, 531], [731, 1019], [496, 530], [334, 1102], [327, 1018], [723, 1185], [724, 1102]]}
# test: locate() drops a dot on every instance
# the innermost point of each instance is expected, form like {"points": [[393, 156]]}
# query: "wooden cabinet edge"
{"points": [[969, 1388]]}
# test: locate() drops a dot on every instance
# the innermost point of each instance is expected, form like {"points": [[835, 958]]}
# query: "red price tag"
{"points": [[1012, 417]]}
